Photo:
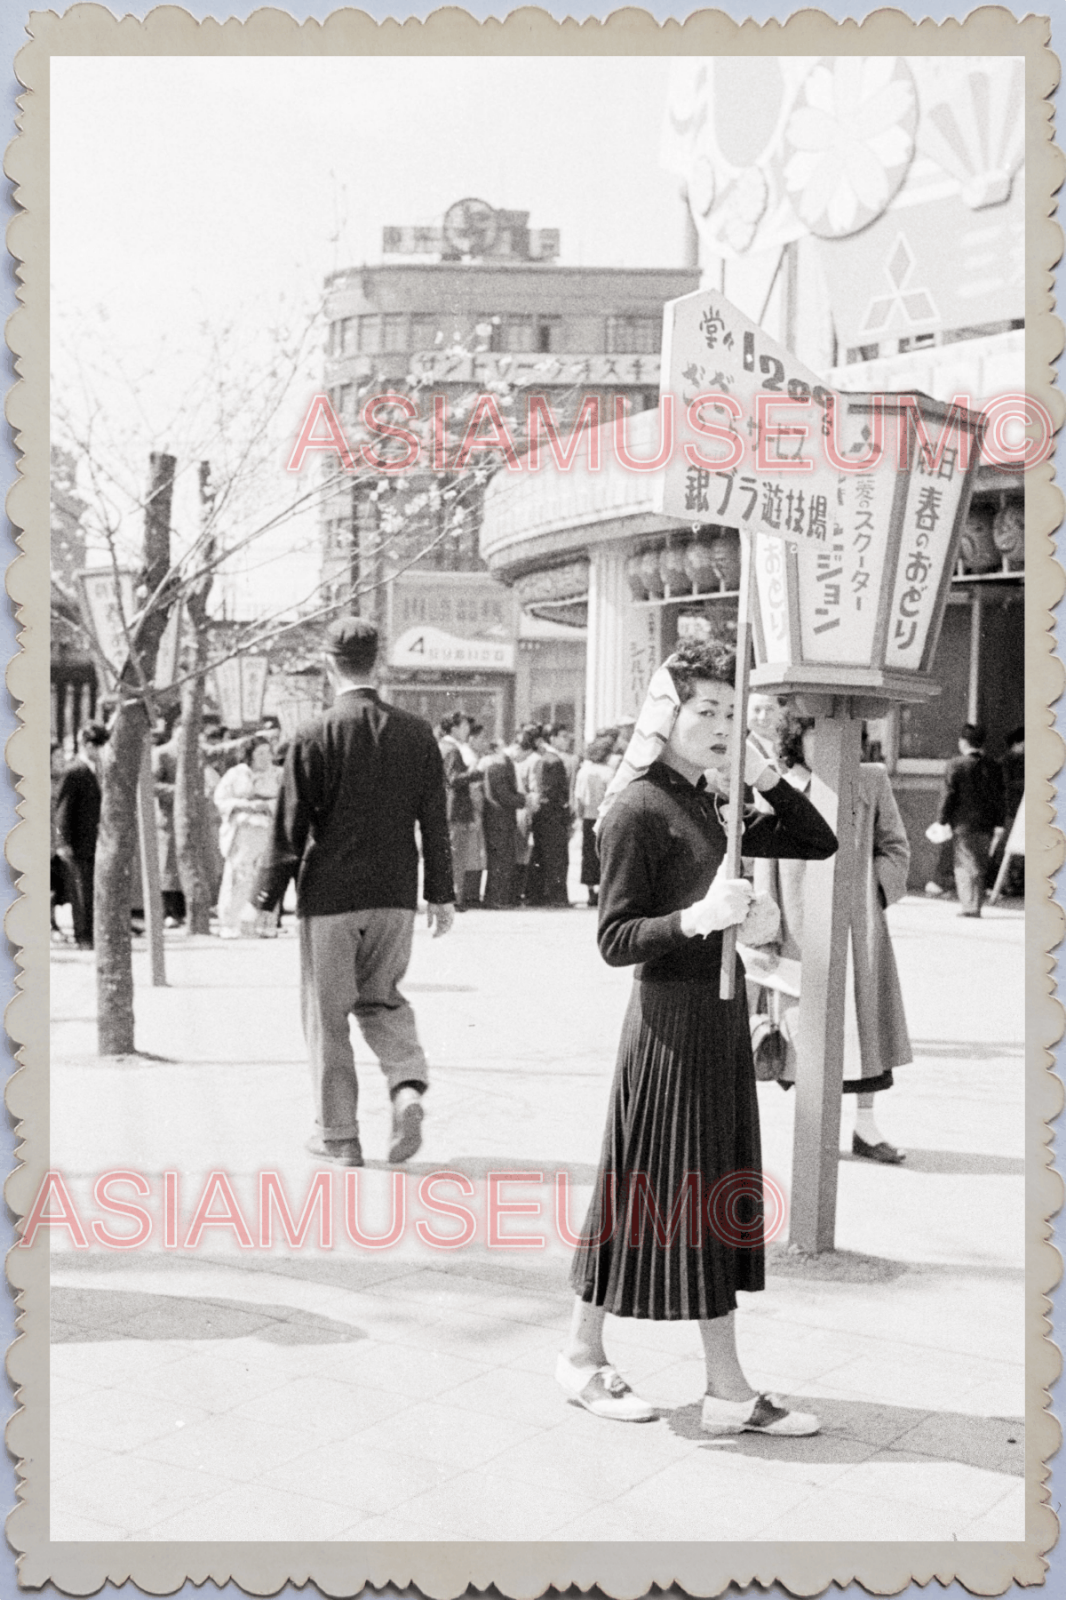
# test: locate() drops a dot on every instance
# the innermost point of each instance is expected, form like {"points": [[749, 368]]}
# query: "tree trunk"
{"points": [[190, 803], [190, 820], [117, 839]]}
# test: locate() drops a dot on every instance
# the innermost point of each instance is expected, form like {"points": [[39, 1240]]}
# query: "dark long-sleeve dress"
{"points": [[675, 1224]]}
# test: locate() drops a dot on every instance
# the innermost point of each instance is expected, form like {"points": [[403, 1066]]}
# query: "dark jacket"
{"points": [[458, 778], [973, 793], [77, 811], [503, 798], [356, 782], [660, 846], [549, 785]]}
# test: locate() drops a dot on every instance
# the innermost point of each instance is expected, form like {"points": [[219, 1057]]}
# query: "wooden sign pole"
{"points": [[829, 887], [735, 827]]}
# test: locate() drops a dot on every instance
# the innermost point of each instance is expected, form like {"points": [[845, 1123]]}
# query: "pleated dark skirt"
{"points": [[675, 1224]]}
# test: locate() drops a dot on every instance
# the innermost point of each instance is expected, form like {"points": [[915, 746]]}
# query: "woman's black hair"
{"points": [[251, 745], [600, 746], [789, 748], [528, 738], [709, 660]]}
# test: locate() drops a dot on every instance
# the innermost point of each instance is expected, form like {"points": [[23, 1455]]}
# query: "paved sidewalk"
{"points": [[407, 1393]]}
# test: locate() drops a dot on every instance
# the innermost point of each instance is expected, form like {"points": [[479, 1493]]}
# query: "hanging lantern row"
{"points": [[705, 562], [993, 539]]}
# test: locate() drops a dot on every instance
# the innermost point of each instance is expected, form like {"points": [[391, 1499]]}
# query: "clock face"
{"points": [[470, 227]]}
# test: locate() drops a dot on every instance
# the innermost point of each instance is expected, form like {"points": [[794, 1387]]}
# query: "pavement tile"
{"points": [[489, 1340], [820, 1459], [113, 1364], [1005, 1397], [984, 1442], [368, 1482], [62, 1388], [120, 1420], [419, 1374], [936, 1383], [208, 1380], [598, 1462], [699, 1499], [71, 1455], [447, 1434], [903, 1475], [232, 1446], [66, 1526], [391, 1528], [531, 1397], [126, 1490], [256, 1514], [839, 1517], [1004, 1520], [320, 1408], [604, 1523], [467, 1505]]}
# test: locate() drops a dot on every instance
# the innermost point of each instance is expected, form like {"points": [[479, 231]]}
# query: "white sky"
{"points": [[188, 193]]}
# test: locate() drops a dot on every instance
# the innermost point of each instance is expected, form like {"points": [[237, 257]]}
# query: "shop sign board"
{"points": [[445, 621], [709, 347]]}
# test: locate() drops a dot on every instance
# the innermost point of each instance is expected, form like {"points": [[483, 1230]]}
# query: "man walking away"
{"points": [[77, 822], [973, 808], [357, 781]]}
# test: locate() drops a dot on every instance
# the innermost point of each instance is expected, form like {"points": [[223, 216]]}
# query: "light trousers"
{"points": [[350, 965]]}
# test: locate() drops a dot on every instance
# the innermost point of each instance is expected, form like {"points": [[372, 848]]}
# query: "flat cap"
{"points": [[352, 638]]}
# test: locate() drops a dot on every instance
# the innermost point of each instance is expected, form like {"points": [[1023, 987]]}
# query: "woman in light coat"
{"points": [[876, 1021], [244, 797]]}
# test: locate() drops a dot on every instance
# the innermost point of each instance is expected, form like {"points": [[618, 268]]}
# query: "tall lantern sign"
{"points": [[851, 509]]}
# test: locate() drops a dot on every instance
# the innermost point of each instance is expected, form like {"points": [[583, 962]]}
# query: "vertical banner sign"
{"points": [[253, 671], [107, 602], [709, 347], [227, 676], [768, 559], [240, 684], [643, 653], [934, 493], [840, 589]]}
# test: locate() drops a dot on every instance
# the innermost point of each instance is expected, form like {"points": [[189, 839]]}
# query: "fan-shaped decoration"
{"points": [[649, 571], [973, 126], [849, 141], [699, 565]]}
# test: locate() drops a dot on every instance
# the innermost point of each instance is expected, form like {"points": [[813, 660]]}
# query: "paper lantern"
{"points": [[699, 565]]}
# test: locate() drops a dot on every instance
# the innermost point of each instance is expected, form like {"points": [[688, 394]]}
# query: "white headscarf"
{"points": [[649, 737]]}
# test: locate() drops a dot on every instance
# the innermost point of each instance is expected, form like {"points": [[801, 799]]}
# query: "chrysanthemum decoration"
{"points": [[849, 142]]}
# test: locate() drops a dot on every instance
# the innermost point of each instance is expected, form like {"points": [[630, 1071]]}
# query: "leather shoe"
{"points": [[407, 1114], [603, 1391], [884, 1152], [342, 1152]]}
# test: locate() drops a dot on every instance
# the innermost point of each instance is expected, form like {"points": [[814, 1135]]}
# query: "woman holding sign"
{"points": [[681, 1151]]}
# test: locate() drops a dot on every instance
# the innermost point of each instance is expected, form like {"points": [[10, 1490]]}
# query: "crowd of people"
{"points": [[512, 809]]}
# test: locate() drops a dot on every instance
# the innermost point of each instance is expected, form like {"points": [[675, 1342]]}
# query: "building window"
{"points": [[394, 331], [547, 336], [423, 331], [370, 336], [342, 337], [634, 336], [513, 332]]}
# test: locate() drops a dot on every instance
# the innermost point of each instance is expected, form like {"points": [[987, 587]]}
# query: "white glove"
{"points": [[725, 904], [755, 763]]}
